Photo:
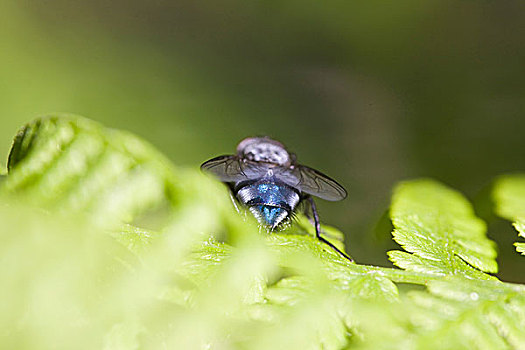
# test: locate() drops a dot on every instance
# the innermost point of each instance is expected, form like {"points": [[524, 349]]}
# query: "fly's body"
{"points": [[264, 177], [270, 201]]}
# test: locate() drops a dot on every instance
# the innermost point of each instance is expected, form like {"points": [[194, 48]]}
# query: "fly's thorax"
{"points": [[264, 149], [270, 202]]}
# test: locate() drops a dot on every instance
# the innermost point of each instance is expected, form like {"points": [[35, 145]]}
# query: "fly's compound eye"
{"points": [[250, 156]]}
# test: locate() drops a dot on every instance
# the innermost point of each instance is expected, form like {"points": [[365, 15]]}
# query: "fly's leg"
{"points": [[318, 230]]}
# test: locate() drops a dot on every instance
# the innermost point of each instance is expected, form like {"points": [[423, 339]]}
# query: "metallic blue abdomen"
{"points": [[271, 216], [270, 202]]}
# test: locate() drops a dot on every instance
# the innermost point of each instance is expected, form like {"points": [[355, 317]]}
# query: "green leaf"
{"points": [[509, 198], [73, 164], [60, 281], [129, 251], [439, 227], [520, 248], [301, 224], [454, 313]]}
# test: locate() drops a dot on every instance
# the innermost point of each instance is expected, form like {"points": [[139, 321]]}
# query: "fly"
{"points": [[264, 177]]}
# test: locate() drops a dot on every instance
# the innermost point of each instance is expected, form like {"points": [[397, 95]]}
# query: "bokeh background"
{"points": [[368, 92]]}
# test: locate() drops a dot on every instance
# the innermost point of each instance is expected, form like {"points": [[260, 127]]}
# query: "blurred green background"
{"points": [[368, 92]]}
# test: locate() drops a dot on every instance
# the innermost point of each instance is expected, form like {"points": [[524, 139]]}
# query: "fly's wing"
{"points": [[312, 182], [307, 180], [233, 169]]}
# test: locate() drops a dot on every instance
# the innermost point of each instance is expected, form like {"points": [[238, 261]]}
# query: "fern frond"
{"points": [[438, 226], [509, 198], [455, 313], [71, 163], [190, 273]]}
